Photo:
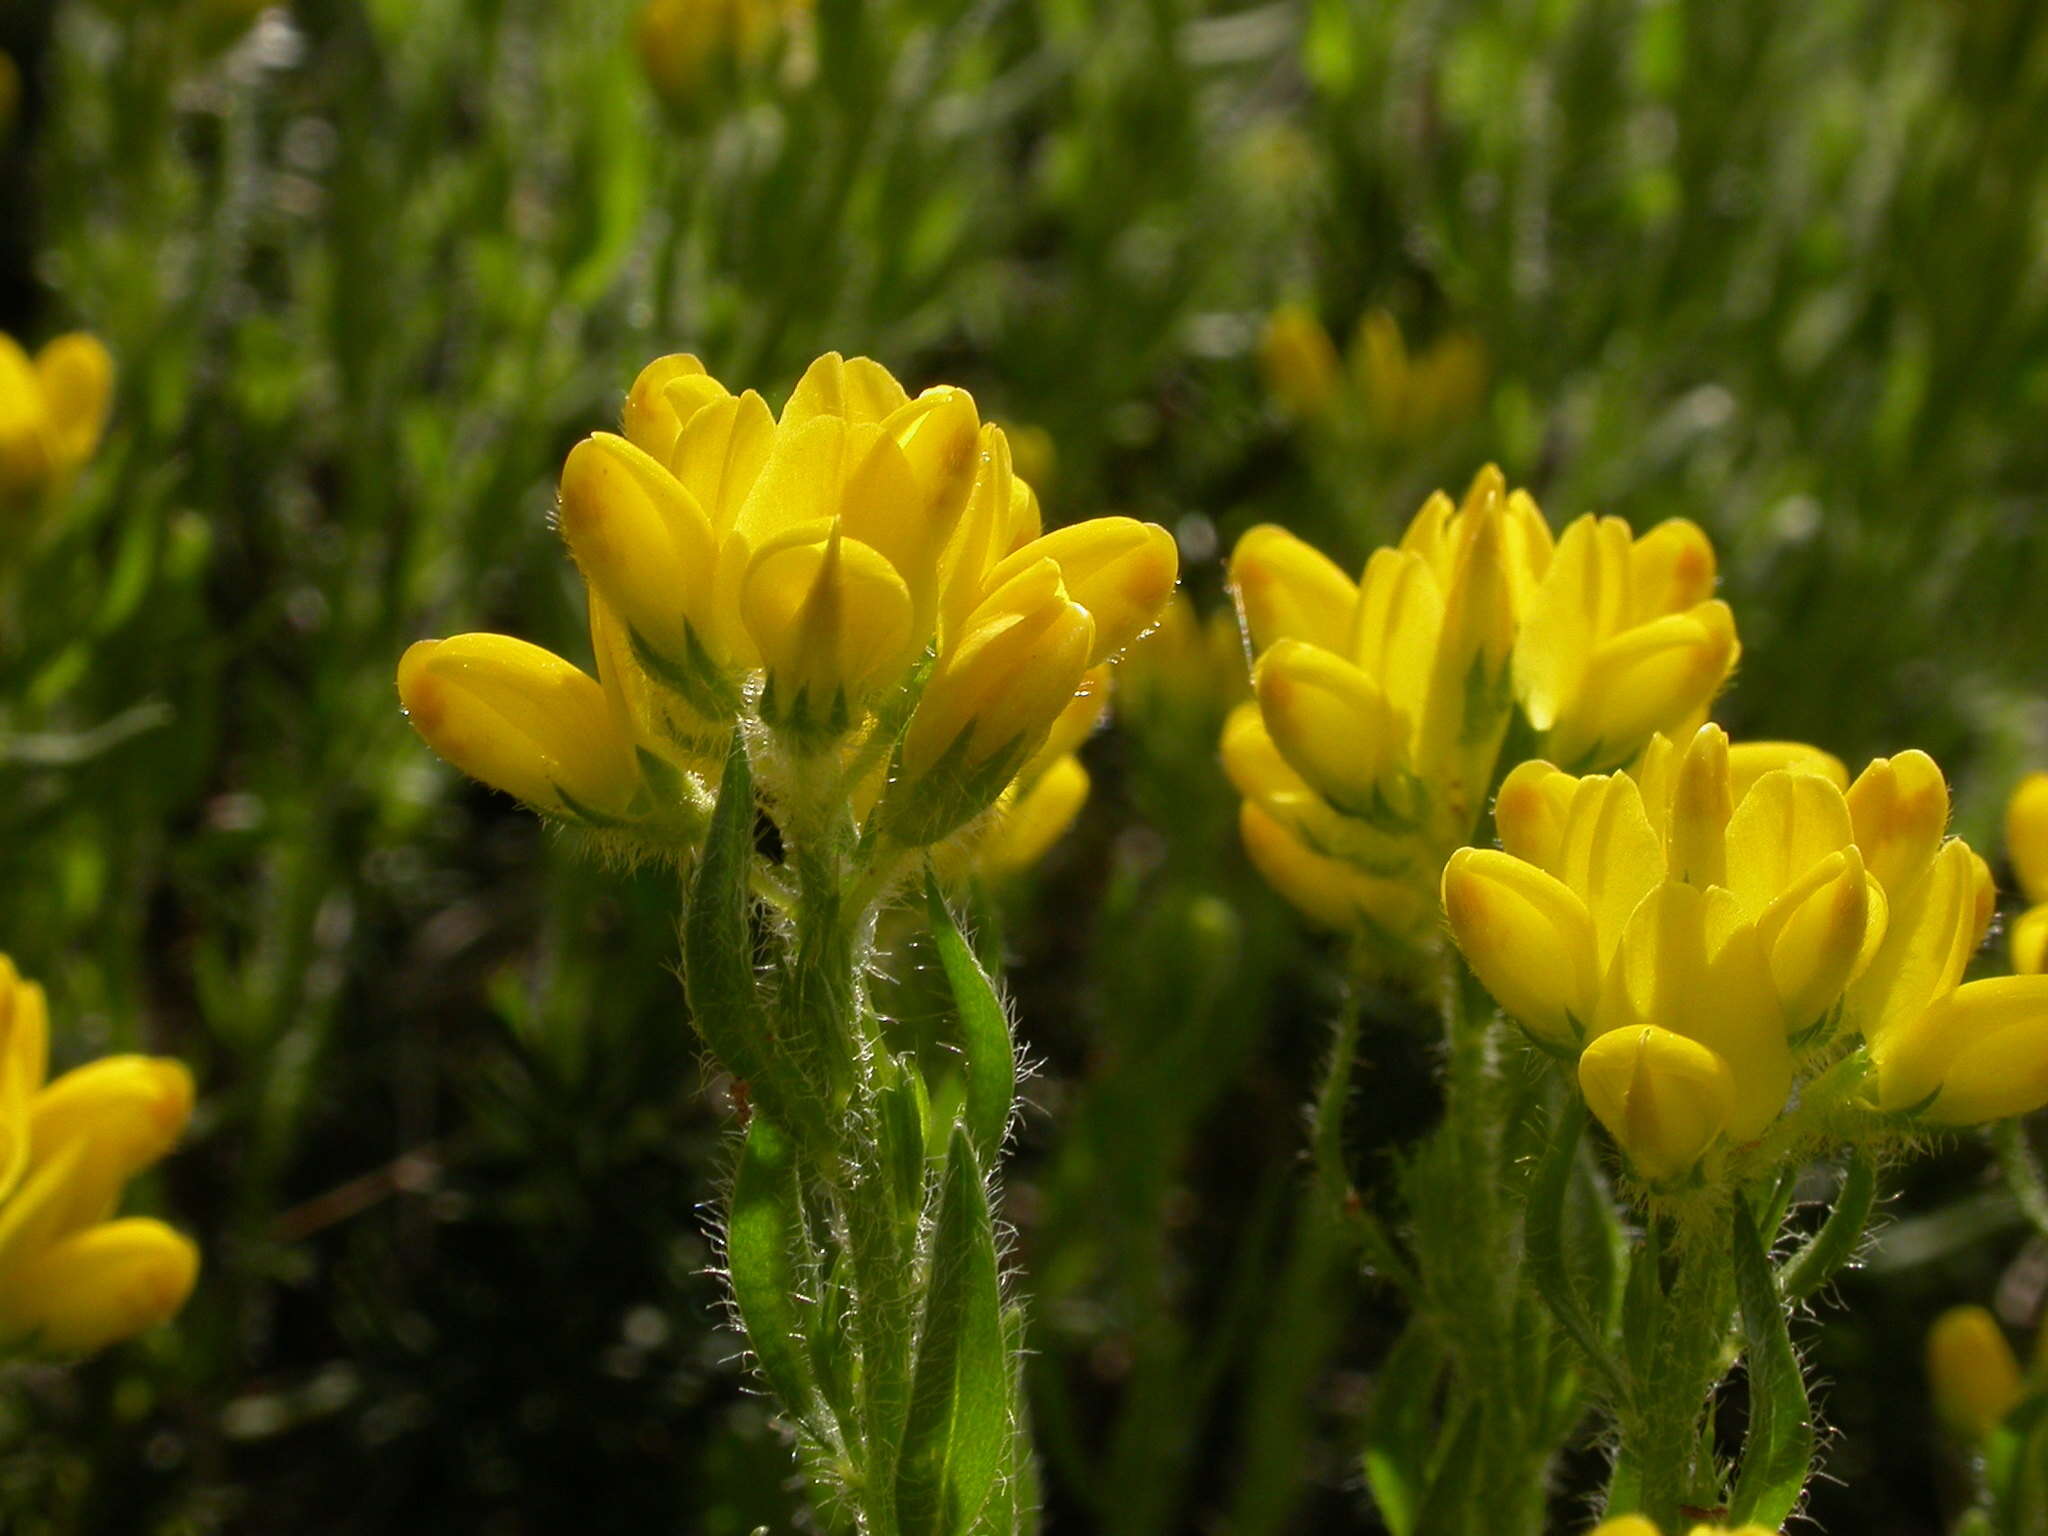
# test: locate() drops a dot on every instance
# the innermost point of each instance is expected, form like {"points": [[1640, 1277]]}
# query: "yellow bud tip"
{"points": [[1976, 1379], [99, 1286], [2026, 835]]}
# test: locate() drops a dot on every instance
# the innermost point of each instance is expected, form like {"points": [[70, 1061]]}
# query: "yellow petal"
{"points": [[1528, 939], [1581, 600], [1119, 569], [1671, 569], [1609, 855], [1399, 621], [99, 1286], [858, 391], [1689, 963], [1814, 934], [2026, 835], [1699, 847], [2030, 942], [719, 453], [132, 1109], [832, 621], [1037, 819], [1643, 680], [1531, 811], [24, 1055], [519, 718], [1664, 1098], [1985, 1045], [642, 541], [1466, 709], [1899, 806], [1288, 589], [1332, 724], [983, 536], [1749, 761], [1973, 1372], [25, 434], [77, 378], [1787, 823], [651, 421], [1930, 936]]}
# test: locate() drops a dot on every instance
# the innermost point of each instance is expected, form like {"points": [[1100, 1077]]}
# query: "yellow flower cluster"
{"points": [[687, 45], [1381, 704], [1699, 929], [2026, 844], [863, 581], [72, 1277], [1397, 393], [1976, 1378], [53, 410]]}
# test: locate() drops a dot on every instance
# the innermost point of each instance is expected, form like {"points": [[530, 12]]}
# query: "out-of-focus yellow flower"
{"points": [[71, 1279], [522, 720], [689, 48], [1385, 701], [1036, 818], [53, 410], [2026, 845], [1300, 362], [1188, 666], [1973, 1372], [1415, 395], [865, 566], [10, 95]]}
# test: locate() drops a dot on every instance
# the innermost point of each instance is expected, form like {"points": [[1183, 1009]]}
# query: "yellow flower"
{"points": [[864, 565], [1036, 818], [1187, 666], [71, 1279], [2026, 844], [1299, 361], [53, 410], [1415, 395], [1971, 1367], [687, 47], [522, 720]]}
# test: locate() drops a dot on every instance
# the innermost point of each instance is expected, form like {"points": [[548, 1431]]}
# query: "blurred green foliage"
{"points": [[370, 267]]}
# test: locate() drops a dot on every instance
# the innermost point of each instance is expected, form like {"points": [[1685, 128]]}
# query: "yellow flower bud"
{"points": [[1119, 569], [1626, 1525], [1466, 708], [1664, 1098], [2026, 836], [991, 702], [1036, 819], [1333, 725], [1531, 810], [1900, 809], [1528, 939], [1330, 892], [1981, 1050], [522, 720], [1299, 361], [833, 623], [1643, 679], [1702, 803], [24, 1059], [2030, 942], [687, 46], [1287, 589], [1971, 1367], [667, 393], [1817, 935], [98, 1286], [644, 544]]}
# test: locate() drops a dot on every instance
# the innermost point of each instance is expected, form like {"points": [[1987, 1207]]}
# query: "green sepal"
{"points": [[763, 1237], [698, 678], [1777, 1451], [903, 1110], [958, 1427], [1398, 1427], [991, 1054], [949, 794]]}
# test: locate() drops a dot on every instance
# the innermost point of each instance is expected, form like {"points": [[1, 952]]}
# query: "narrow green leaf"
{"points": [[763, 1238], [1777, 1453], [1544, 1247], [1835, 1243], [984, 1028], [1455, 1478], [1397, 1427], [959, 1422]]}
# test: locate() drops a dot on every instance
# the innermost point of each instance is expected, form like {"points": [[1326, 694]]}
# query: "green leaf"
{"points": [[959, 1425], [984, 1028], [763, 1238], [1777, 1453], [1544, 1247], [1397, 1427], [1835, 1243]]}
